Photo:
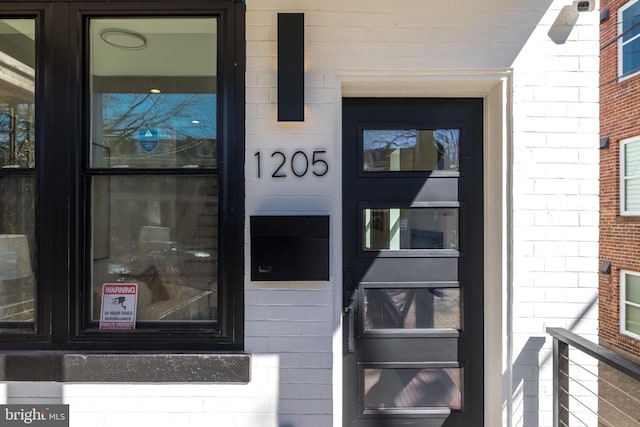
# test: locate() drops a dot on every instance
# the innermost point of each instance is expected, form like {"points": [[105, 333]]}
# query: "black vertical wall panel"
{"points": [[291, 67]]}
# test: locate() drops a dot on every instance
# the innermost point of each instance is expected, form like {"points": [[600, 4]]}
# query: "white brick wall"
{"points": [[134, 405], [292, 329], [563, 165]]}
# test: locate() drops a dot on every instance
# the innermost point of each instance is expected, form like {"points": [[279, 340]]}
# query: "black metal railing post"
{"points": [[624, 408], [560, 383]]}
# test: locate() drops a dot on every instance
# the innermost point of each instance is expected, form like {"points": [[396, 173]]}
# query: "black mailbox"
{"points": [[292, 248]]}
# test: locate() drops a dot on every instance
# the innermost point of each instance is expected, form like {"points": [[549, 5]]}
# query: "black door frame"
{"points": [[441, 112]]}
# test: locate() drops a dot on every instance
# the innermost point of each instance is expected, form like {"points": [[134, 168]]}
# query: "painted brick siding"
{"points": [[619, 236], [292, 329], [555, 169], [555, 203]]}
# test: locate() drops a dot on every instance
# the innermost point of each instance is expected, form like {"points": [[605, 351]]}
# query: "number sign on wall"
{"points": [[298, 164]]}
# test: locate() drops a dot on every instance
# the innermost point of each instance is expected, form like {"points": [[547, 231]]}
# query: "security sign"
{"points": [[118, 310], [148, 139]]}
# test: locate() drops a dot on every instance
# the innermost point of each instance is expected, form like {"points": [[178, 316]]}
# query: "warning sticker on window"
{"points": [[118, 310]]}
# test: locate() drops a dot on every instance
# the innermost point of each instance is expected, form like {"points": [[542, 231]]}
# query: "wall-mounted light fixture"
{"points": [[124, 39], [290, 67], [605, 267]]}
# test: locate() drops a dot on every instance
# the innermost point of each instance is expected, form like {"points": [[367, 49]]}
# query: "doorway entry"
{"points": [[413, 262]]}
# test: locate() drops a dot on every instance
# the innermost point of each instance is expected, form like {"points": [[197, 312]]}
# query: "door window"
{"points": [[410, 150], [410, 228], [411, 388], [411, 308]]}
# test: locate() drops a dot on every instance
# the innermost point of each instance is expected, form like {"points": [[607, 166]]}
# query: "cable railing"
{"points": [[592, 385]]}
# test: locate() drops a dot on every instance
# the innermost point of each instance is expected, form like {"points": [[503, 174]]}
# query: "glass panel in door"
{"points": [[411, 308], [412, 388], [411, 150]]}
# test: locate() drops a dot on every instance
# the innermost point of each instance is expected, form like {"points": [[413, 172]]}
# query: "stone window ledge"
{"points": [[125, 367]]}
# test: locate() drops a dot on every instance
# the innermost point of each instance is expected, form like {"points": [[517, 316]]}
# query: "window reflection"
{"points": [[17, 250], [631, 175], [412, 308], [632, 321], [410, 150], [18, 267], [153, 92], [153, 84], [412, 388], [156, 131], [17, 93], [160, 232], [410, 228]]}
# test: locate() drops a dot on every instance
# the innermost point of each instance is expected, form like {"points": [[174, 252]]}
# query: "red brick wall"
{"points": [[619, 236]]}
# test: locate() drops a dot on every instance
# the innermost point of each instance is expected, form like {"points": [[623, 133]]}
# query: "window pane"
{"points": [[632, 158], [632, 194], [412, 308], [17, 193], [630, 56], [412, 388], [17, 93], [630, 21], [153, 92], [411, 228], [17, 250], [406, 150], [632, 322], [162, 233], [632, 288]]}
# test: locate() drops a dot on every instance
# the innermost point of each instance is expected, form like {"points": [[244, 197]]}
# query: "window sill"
{"points": [[628, 217], [125, 367]]}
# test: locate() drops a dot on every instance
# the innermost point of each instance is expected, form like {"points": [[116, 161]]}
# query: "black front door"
{"points": [[413, 262]]}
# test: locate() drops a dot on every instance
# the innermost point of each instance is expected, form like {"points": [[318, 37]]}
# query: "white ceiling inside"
{"points": [[174, 47]]}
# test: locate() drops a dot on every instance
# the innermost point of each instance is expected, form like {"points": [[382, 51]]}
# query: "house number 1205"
{"points": [[299, 164]]}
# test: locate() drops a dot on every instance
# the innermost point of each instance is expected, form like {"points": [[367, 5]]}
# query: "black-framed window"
{"points": [[630, 303], [630, 176], [121, 168], [628, 39]]}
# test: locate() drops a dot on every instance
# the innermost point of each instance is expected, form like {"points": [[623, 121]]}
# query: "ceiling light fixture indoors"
{"points": [[124, 39]]}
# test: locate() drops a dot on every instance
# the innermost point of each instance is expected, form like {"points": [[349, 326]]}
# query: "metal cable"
{"points": [[603, 380], [602, 419]]}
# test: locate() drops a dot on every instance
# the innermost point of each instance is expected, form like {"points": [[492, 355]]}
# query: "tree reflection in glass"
{"points": [[411, 150]]}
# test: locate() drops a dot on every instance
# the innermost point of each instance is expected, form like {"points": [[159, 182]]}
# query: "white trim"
{"points": [[419, 83], [495, 86], [623, 303], [623, 177], [621, 75]]}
